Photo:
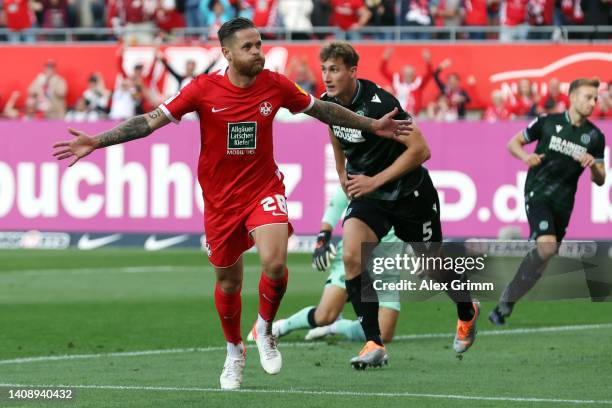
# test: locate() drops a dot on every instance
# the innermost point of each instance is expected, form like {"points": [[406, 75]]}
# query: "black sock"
{"points": [[367, 312], [526, 277], [462, 298], [311, 318]]}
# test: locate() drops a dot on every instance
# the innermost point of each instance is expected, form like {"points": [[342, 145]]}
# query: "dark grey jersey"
{"points": [[369, 154]]}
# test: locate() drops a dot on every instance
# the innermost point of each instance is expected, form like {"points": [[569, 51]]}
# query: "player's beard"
{"points": [[250, 68]]}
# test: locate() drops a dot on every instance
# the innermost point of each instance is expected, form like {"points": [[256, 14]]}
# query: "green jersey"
{"points": [[556, 178]]}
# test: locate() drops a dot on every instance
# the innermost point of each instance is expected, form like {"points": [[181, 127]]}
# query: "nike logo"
{"points": [[86, 243], [277, 213], [215, 110], [154, 244]]}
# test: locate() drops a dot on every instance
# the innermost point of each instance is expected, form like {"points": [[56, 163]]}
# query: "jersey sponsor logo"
{"points": [[566, 147], [86, 243], [215, 110], [376, 99], [241, 136], [154, 244], [265, 108], [348, 134]]}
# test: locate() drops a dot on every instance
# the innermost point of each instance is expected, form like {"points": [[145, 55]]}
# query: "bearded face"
{"points": [[244, 53]]}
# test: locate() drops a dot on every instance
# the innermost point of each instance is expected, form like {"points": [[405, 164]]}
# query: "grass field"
{"points": [[126, 328]]}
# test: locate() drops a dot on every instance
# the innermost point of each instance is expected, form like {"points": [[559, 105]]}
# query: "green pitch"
{"points": [[142, 332]]}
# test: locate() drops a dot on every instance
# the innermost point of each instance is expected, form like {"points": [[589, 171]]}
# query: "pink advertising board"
{"points": [[149, 185]]}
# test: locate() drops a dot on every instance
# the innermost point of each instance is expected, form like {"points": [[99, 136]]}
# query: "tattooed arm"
{"points": [[131, 129], [334, 114]]}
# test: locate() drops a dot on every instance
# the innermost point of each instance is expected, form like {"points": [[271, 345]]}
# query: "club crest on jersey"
{"points": [[265, 108], [585, 138], [543, 225]]}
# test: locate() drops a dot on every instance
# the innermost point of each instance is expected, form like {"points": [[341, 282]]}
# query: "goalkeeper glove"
{"points": [[325, 251]]}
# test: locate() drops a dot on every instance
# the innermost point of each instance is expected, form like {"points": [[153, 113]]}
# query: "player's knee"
{"points": [[229, 284], [274, 267], [352, 264]]}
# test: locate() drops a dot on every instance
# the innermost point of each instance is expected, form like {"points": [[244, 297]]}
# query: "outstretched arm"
{"points": [[131, 129], [334, 114]]}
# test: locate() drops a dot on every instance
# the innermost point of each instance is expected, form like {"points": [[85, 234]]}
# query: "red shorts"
{"points": [[228, 235]]}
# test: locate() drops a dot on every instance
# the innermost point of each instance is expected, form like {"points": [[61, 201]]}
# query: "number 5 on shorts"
{"points": [[427, 231]]}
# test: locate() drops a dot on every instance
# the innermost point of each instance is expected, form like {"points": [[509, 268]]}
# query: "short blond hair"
{"points": [[577, 83]]}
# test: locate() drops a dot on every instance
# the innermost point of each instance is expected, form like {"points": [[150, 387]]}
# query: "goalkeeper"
{"points": [[323, 320]]}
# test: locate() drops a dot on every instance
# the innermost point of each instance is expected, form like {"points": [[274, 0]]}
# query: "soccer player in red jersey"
{"points": [[243, 188]]}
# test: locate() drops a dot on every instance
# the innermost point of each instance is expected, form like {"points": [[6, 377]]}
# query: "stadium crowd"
{"points": [[454, 98], [142, 19]]}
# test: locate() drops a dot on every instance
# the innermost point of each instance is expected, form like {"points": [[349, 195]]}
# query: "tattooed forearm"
{"points": [[131, 129], [334, 114]]}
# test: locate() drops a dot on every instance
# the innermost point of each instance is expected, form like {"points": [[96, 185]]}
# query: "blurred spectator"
{"points": [[49, 92], [540, 14], [192, 14], [213, 13], [299, 72], [134, 17], [446, 13], [142, 82], [321, 15], [295, 16], [350, 16], [441, 110], [19, 17], [96, 95], [265, 14], [407, 87], [525, 102], [383, 15], [55, 15], [10, 111], [554, 101], [497, 109], [597, 13], [476, 15], [415, 13], [513, 20], [456, 97], [81, 113], [182, 79], [603, 109], [167, 17], [126, 100], [571, 12]]}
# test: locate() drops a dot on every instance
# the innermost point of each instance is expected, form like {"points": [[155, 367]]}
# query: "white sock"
{"points": [[261, 324], [235, 350]]}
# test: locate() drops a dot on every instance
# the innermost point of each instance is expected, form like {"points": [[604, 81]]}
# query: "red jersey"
{"points": [[476, 13], [558, 104], [236, 158], [18, 14], [514, 12], [344, 12], [521, 105]]}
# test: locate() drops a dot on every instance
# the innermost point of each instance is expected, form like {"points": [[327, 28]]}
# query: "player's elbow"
{"points": [[599, 181]]}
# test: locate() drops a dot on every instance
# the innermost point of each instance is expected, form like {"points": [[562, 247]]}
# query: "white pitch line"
{"points": [[534, 330], [119, 269], [319, 393]]}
